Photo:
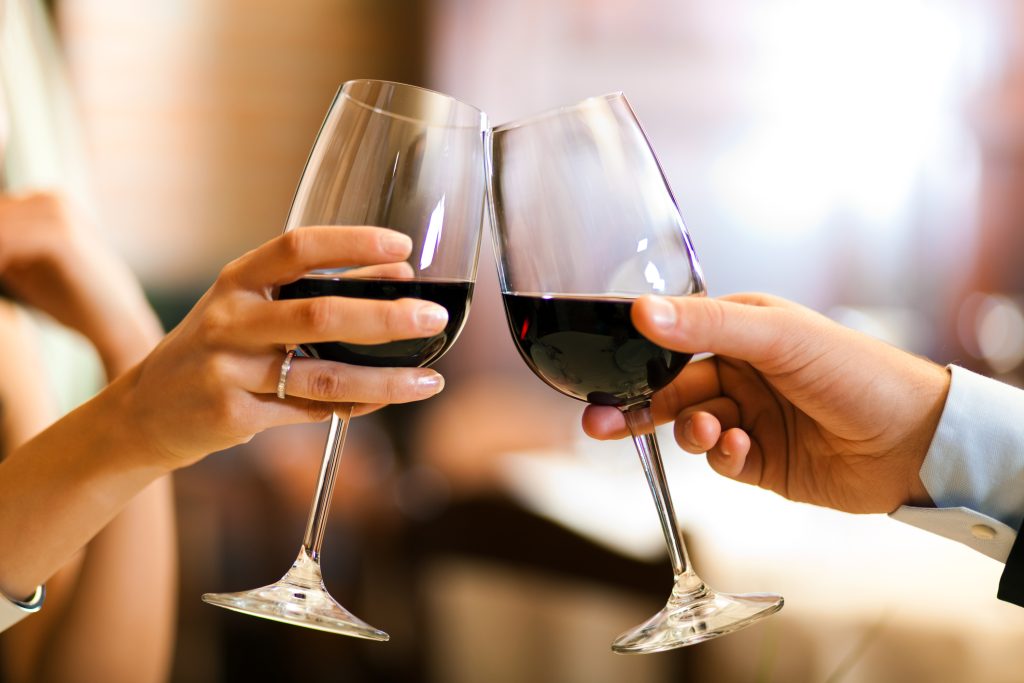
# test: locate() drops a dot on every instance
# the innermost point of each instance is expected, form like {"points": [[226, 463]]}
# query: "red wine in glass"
{"points": [[587, 347]]}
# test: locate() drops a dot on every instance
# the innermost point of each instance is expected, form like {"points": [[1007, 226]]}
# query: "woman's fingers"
{"points": [[274, 412], [290, 256], [330, 382], [400, 270], [316, 388], [329, 319]]}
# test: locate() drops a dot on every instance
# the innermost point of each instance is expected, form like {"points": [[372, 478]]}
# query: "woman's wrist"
{"points": [[134, 446]]}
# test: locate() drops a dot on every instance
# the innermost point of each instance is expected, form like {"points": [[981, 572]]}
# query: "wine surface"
{"points": [[454, 295], [588, 348]]}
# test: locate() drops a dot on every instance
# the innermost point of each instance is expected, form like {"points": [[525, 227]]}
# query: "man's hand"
{"points": [[792, 402]]}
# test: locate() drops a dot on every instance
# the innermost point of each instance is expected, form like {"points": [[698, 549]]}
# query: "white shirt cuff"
{"points": [[974, 468], [975, 530], [976, 458]]}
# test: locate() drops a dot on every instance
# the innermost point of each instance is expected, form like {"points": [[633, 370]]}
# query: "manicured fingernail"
{"points": [[429, 385], [431, 316], [661, 312], [395, 244]]}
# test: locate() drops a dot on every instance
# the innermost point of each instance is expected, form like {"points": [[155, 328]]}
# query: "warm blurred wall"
{"points": [[818, 151], [200, 114], [986, 326]]}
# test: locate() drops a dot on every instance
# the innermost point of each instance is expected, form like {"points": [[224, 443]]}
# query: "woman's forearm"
{"points": [[59, 489], [125, 593]]}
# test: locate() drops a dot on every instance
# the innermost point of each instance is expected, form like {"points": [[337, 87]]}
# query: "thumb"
{"points": [[749, 327]]}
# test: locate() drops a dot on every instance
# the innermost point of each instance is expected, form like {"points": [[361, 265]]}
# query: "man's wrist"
{"points": [[975, 459], [932, 388]]}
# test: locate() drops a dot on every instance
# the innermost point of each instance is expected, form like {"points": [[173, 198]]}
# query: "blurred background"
{"points": [[865, 158]]}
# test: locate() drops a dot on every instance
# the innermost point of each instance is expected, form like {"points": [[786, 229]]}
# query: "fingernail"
{"points": [[661, 312], [688, 432], [430, 384], [395, 244], [431, 317]]}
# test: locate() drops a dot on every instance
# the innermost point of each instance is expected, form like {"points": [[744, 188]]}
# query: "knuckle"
{"points": [[329, 386], [295, 244], [218, 372], [231, 413], [399, 317], [230, 273], [317, 315], [763, 300], [770, 300], [393, 316], [215, 328], [393, 388], [390, 389]]}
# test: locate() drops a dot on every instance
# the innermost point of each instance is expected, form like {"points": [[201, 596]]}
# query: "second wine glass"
{"points": [[409, 159], [584, 222]]}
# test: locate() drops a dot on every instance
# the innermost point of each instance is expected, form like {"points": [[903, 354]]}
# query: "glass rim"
{"points": [[557, 111], [343, 91]]}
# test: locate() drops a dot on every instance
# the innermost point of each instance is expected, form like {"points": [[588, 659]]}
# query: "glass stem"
{"points": [[641, 427], [317, 522]]}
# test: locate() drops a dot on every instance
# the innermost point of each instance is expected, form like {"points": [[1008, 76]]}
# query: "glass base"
{"points": [[694, 616], [300, 599]]}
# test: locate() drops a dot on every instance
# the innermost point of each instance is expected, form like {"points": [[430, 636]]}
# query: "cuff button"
{"points": [[983, 531]]}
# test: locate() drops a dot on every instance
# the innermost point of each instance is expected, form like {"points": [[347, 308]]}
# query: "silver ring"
{"points": [[282, 378]]}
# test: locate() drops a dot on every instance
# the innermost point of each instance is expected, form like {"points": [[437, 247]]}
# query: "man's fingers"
{"points": [[737, 456], [750, 327], [696, 384], [698, 428], [604, 423]]}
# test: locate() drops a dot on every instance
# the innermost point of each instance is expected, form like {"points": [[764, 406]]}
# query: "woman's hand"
{"points": [[792, 402], [50, 259], [212, 382]]}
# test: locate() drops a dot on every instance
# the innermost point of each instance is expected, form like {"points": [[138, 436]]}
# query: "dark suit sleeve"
{"points": [[1011, 583]]}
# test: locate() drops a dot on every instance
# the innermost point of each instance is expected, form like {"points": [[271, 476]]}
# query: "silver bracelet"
{"points": [[33, 604]]}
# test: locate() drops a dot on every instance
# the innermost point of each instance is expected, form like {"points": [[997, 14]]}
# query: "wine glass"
{"points": [[584, 222], [409, 159]]}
